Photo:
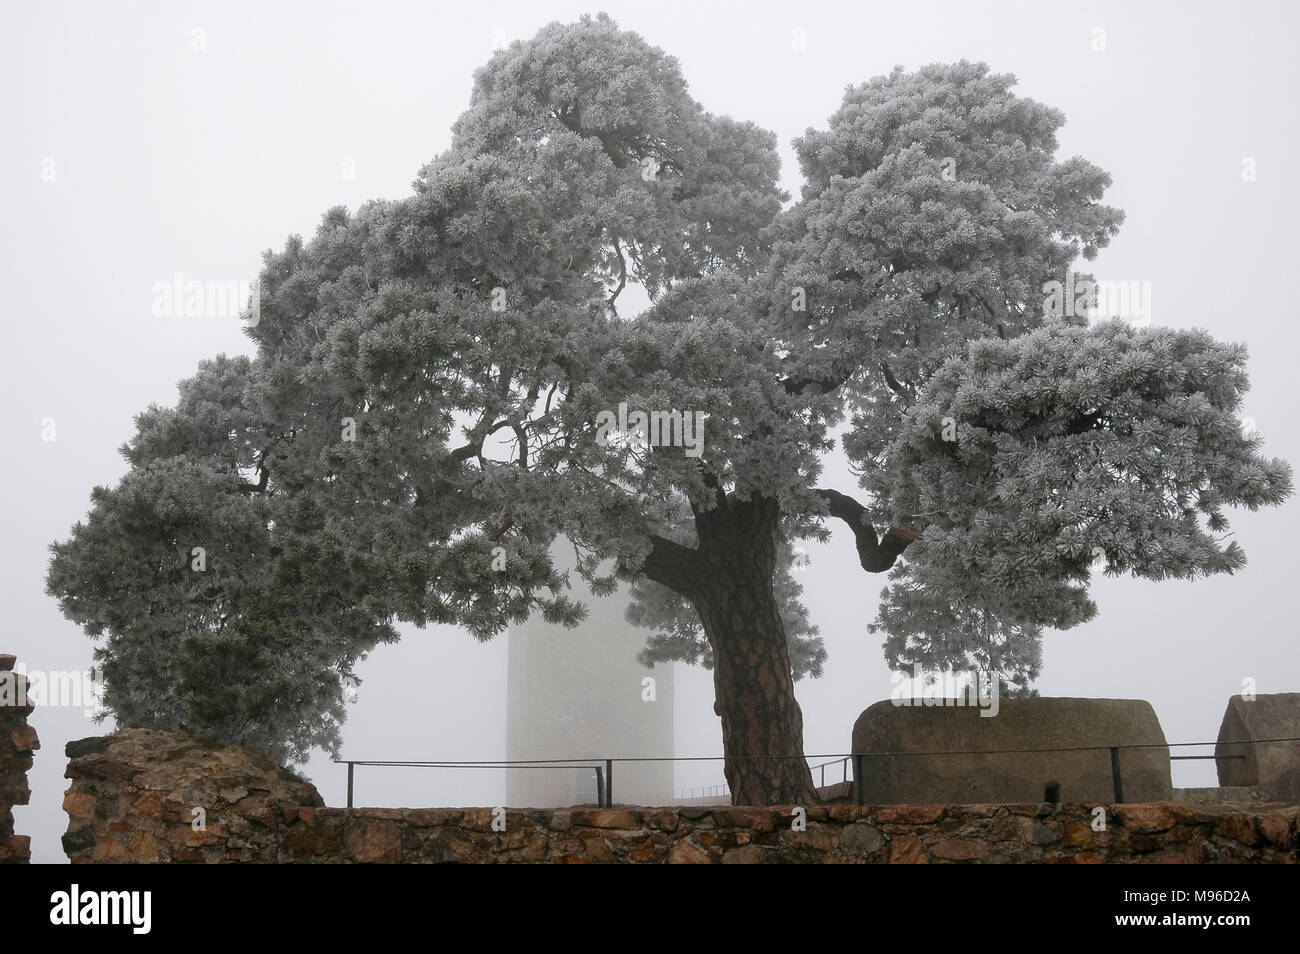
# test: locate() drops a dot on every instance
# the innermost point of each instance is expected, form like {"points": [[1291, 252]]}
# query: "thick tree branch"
{"points": [[891, 380], [876, 554], [678, 567], [475, 447], [622, 273], [824, 385]]}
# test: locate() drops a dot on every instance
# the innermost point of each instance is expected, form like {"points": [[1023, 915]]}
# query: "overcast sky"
{"points": [[128, 155]]}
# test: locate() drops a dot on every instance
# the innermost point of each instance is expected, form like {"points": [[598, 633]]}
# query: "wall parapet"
{"points": [[133, 797], [834, 834]]}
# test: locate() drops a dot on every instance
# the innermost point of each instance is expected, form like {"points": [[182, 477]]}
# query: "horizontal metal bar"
{"points": [[1183, 758], [834, 757]]}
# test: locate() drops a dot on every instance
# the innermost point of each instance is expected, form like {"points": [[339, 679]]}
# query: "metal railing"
{"points": [[706, 792], [842, 763], [724, 789], [604, 768]]}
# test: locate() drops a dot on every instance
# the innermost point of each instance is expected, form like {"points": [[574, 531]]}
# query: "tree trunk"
{"points": [[762, 726]]}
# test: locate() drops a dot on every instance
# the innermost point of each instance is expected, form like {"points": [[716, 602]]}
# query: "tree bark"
{"points": [[762, 725]]}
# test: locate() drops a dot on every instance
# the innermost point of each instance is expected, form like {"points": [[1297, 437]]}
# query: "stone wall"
{"points": [[1073, 734], [1272, 767], [133, 796], [145, 796], [17, 743], [836, 834]]}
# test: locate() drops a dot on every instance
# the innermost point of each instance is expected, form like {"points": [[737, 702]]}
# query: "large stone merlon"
{"points": [[954, 762], [1274, 767]]}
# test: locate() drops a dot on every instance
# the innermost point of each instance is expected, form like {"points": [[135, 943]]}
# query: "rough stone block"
{"points": [[1272, 766], [1074, 736]]}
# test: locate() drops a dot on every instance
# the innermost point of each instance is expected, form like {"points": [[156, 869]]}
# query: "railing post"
{"points": [[1114, 772], [600, 788], [349, 785], [609, 783], [823, 775]]}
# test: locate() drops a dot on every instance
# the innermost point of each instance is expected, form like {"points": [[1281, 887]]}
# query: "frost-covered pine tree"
{"points": [[419, 422]]}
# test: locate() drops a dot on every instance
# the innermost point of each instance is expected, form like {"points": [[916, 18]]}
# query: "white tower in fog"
{"points": [[579, 694]]}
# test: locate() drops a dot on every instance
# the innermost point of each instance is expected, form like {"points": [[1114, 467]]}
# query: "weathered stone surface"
{"points": [[849, 813], [1038, 832], [1074, 733], [749, 855], [79, 804], [644, 853], [16, 849], [1272, 767], [1145, 817], [861, 838], [1278, 828], [605, 819], [433, 817], [143, 848], [94, 745], [596, 852], [1189, 813], [147, 805], [817, 836], [302, 842], [1077, 835], [371, 841], [753, 819], [661, 819], [684, 853], [18, 741], [907, 850], [975, 811], [908, 814], [143, 795], [24, 739], [958, 849], [1238, 827], [384, 814]]}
